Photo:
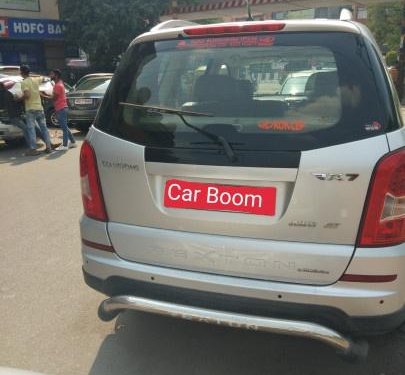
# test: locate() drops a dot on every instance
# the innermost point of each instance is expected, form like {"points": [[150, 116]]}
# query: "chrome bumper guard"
{"points": [[344, 346]]}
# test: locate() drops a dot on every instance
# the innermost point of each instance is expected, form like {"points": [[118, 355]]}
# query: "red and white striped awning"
{"points": [[227, 4]]}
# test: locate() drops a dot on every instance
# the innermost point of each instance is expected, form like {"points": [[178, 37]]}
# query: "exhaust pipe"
{"points": [[347, 348]]}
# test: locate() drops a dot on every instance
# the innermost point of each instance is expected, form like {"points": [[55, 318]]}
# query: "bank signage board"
{"points": [[26, 28], [27, 5], [3, 27]]}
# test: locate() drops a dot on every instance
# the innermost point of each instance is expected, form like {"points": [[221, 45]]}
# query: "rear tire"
{"points": [[51, 118], [82, 126]]}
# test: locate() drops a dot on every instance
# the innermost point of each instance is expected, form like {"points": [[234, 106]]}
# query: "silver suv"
{"points": [[209, 196]]}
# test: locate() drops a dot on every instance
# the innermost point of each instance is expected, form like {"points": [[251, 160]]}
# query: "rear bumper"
{"points": [[82, 115], [345, 346], [9, 132], [323, 315], [355, 307]]}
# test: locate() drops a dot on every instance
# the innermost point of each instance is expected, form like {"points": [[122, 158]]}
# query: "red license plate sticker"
{"points": [[212, 197]]}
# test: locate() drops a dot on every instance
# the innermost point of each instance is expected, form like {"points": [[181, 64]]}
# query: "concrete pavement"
{"points": [[48, 318]]}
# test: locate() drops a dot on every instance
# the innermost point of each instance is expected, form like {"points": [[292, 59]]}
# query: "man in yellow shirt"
{"points": [[34, 110]]}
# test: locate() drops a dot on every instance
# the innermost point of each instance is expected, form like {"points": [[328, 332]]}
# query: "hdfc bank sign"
{"points": [[25, 28], [3, 27], [212, 197]]}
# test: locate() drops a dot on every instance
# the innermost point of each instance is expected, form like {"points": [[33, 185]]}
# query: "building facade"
{"points": [[209, 11], [31, 33]]}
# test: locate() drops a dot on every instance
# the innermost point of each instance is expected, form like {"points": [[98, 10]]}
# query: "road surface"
{"points": [[49, 318]]}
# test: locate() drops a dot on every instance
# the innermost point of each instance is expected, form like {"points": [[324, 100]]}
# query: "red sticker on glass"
{"points": [[282, 125], [225, 42], [213, 197]]}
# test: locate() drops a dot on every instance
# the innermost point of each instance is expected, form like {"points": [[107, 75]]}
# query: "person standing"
{"points": [[61, 109], [33, 108]]}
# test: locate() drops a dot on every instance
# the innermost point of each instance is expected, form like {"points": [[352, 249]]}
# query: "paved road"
{"points": [[48, 316]]}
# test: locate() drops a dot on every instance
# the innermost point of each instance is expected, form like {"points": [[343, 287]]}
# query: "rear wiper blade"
{"points": [[214, 137], [167, 110]]}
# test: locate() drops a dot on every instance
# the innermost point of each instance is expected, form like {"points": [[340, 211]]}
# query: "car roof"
{"points": [[91, 75], [2, 67], [307, 73], [7, 70], [11, 78], [86, 79], [166, 31]]}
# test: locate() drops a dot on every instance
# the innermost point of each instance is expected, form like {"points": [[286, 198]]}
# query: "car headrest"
{"points": [[325, 84], [246, 88], [215, 88]]}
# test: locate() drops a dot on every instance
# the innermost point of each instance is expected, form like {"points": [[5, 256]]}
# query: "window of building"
{"points": [[362, 13], [279, 15]]}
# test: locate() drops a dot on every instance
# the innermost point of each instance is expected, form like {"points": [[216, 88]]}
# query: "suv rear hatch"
{"points": [[206, 165]]}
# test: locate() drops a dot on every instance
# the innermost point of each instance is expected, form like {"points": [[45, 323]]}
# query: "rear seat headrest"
{"points": [[325, 84], [215, 88], [246, 88]]}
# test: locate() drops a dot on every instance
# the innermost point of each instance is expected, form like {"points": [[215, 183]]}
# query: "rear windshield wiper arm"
{"points": [[214, 137]]}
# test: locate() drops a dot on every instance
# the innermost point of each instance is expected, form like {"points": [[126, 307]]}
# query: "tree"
{"points": [[391, 58], [384, 20], [104, 28]]}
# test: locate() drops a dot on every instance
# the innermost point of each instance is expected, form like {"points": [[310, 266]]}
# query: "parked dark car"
{"points": [[85, 100]]}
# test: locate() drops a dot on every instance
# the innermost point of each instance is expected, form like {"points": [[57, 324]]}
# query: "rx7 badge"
{"points": [[336, 176]]}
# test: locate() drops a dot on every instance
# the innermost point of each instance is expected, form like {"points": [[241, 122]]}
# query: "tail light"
{"points": [[92, 195], [234, 29], [384, 217]]}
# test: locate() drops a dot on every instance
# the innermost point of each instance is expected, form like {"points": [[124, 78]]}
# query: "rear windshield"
{"points": [[287, 91], [295, 85], [94, 84]]}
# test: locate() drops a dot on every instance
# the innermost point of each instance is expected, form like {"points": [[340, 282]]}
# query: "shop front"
{"points": [[36, 42]]}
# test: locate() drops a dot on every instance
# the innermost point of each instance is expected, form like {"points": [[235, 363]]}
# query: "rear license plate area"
{"points": [[215, 197], [83, 101]]}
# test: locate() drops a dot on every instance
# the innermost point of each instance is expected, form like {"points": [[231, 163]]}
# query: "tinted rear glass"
{"points": [[287, 91], [94, 84]]}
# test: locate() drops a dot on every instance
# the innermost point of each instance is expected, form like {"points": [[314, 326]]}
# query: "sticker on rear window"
{"points": [[373, 127], [235, 41], [282, 125]]}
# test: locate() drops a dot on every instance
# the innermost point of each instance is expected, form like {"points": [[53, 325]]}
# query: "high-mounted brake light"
{"points": [[92, 196], [384, 217], [234, 29]]}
